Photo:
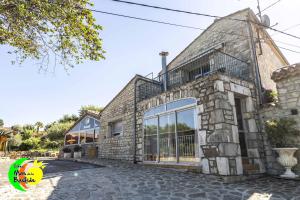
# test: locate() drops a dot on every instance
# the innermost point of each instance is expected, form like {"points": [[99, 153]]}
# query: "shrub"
{"points": [[25, 146], [67, 150], [31, 143], [51, 144], [56, 131], [281, 132], [271, 96], [77, 148]]}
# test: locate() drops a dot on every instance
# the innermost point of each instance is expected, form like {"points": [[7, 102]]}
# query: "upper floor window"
{"points": [[116, 128]]}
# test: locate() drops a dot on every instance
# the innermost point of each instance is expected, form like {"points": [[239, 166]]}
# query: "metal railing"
{"points": [[186, 145], [195, 68]]}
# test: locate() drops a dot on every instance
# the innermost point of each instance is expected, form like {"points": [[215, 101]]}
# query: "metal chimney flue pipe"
{"points": [[164, 74]]}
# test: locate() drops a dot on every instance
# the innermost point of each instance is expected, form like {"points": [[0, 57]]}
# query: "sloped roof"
{"points": [[87, 113], [239, 15]]}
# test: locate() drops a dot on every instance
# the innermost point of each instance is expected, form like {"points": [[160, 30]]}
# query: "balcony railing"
{"points": [[195, 68]]}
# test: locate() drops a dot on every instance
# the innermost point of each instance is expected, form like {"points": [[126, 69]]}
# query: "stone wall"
{"points": [[217, 33], [288, 86], [218, 145], [238, 44], [121, 108], [269, 58]]}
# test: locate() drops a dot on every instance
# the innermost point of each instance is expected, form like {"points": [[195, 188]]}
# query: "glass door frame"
{"points": [[173, 111]]}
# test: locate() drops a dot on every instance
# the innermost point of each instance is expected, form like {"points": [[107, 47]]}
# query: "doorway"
{"points": [[239, 105]]}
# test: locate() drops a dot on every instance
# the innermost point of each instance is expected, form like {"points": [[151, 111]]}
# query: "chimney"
{"points": [[164, 74]]}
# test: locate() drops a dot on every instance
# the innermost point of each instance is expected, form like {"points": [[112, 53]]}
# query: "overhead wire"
{"points": [[266, 8], [177, 25], [201, 14]]}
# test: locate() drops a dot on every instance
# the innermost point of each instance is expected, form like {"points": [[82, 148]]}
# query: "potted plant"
{"points": [[67, 152], [281, 134], [77, 151]]}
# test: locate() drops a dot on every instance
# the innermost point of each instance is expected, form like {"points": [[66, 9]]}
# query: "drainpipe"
{"points": [[256, 67], [164, 55], [259, 90], [134, 121]]}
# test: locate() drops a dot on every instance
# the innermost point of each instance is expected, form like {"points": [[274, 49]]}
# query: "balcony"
{"points": [[193, 69]]}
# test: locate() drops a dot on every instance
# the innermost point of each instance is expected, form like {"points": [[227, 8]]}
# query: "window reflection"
{"points": [[85, 131], [89, 137], [155, 110], [150, 139], [72, 138], [167, 142], [186, 135], [180, 103], [176, 139]]}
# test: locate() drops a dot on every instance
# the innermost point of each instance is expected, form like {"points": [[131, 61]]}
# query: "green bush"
{"points": [[16, 140], [281, 132], [51, 144], [271, 96], [57, 130], [31, 143]]}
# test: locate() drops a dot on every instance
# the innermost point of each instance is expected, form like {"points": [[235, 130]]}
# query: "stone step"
{"points": [[187, 168]]}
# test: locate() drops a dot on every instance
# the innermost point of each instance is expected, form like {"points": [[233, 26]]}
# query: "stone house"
{"points": [[203, 108]]}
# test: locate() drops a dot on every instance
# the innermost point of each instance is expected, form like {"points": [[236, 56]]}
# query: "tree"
{"points": [[68, 118], [27, 131], [62, 31], [92, 108], [1, 123], [38, 126], [56, 131], [16, 128]]}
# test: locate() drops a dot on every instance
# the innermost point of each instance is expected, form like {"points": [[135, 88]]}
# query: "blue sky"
{"points": [[132, 48]]}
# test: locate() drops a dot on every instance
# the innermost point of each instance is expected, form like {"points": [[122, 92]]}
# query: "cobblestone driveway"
{"points": [[127, 181]]}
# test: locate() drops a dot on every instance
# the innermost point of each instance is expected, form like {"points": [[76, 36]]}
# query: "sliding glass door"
{"points": [[167, 141], [150, 139], [186, 135], [170, 136]]}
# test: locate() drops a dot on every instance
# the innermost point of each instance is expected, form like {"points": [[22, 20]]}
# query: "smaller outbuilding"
{"points": [[84, 132]]}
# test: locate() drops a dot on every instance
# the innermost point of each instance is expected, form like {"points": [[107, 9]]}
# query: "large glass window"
{"points": [[150, 139], [186, 135], [85, 131], [176, 129], [167, 142], [82, 138], [72, 138], [89, 136]]}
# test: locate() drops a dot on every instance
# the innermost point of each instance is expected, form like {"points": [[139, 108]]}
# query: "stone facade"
{"points": [[288, 86], [235, 35], [218, 137], [119, 109]]}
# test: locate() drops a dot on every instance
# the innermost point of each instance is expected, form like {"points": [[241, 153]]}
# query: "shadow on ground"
{"points": [[56, 166], [136, 182]]}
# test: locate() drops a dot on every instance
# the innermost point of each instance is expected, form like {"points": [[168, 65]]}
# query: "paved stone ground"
{"points": [[129, 182]]}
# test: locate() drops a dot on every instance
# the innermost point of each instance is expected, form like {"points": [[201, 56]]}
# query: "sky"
{"points": [[132, 47]]}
